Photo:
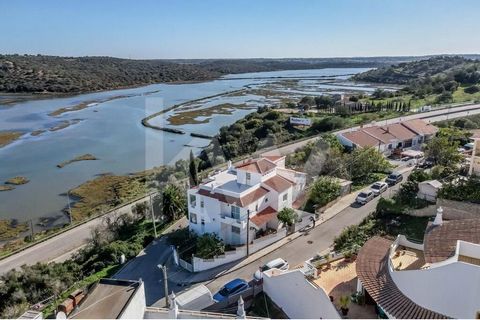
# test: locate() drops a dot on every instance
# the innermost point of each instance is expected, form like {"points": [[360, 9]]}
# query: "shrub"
{"points": [[209, 246], [324, 190], [472, 89], [287, 216]]}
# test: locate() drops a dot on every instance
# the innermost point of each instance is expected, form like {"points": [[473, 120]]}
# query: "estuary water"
{"points": [[111, 130]]}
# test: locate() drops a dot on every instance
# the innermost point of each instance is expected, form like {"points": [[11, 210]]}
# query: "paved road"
{"points": [[60, 247], [63, 245]]}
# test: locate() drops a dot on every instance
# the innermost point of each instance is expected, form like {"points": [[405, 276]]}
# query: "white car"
{"points": [[364, 197], [379, 187], [278, 263]]}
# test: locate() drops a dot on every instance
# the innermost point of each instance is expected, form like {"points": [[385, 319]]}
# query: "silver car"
{"points": [[379, 187], [364, 197]]}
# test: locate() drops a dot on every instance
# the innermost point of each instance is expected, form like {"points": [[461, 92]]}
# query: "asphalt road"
{"points": [[62, 246]]}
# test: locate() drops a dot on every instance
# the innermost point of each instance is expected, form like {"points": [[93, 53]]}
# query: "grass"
{"points": [[190, 117], [10, 229], [17, 180], [7, 137], [6, 188], [105, 192], [84, 157]]}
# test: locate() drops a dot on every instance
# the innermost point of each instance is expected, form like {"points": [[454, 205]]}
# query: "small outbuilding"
{"points": [[428, 190]]}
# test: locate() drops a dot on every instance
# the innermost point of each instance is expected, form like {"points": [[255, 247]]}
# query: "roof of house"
{"points": [[381, 133], [114, 294], [420, 127], [372, 270], [242, 201], [400, 132], [434, 183], [274, 158], [260, 165], [264, 216], [361, 138], [440, 241], [279, 183]]}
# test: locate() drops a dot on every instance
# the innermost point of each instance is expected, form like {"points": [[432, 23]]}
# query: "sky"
{"points": [[177, 29]]}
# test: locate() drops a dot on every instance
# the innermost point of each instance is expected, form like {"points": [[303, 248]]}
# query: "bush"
{"points": [[472, 89], [209, 246], [324, 190], [287, 216]]}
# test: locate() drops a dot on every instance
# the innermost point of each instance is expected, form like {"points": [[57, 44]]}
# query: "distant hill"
{"points": [[52, 74], [28, 73], [408, 72]]}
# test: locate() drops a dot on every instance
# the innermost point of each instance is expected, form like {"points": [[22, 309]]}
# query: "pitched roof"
{"points": [[264, 216], [400, 132], [243, 201], [420, 127], [381, 133], [372, 270], [440, 241], [274, 158], [279, 183], [361, 138], [260, 165]]}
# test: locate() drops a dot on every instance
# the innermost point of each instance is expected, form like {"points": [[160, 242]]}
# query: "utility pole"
{"points": [[165, 283], [153, 219], [248, 232], [69, 207]]}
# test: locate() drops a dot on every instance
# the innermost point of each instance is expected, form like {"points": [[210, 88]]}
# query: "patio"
{"points": [[341, 280], [408, 259]]}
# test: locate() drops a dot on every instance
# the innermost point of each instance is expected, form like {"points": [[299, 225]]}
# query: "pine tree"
{"points": [[193, 170]]}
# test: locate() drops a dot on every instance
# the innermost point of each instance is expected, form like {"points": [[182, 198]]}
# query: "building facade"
{"points": [[243, 201]]}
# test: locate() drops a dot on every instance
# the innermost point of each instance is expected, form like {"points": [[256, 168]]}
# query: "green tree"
{"points": [[209, 246], [443, 151], [174, 202], [364, 161], [287, 216], [324, 190], [193, 170]]}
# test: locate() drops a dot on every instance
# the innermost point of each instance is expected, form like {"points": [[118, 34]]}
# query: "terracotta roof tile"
{"points": [[278, 183], [242, 201], [273, 158], [400, 132], [257, 165], [420, 127], [264, 216], [361, 138], [380, 133], [372, 270], [440, 241]]}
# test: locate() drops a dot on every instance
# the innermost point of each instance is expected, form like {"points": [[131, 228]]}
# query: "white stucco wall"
{"points": [[136, 306], [299, 298], [452, 289]]}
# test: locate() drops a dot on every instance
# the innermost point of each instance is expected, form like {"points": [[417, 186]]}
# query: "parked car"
{"points": [[394, 178], [231, 288], [364, 197], [379, 187], [278, 263]]}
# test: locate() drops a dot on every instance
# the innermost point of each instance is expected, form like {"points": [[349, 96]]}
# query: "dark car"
{"points": [[394, 178], [231, 288]]}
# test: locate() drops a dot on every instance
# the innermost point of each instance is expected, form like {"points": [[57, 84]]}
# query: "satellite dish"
{"points": [[61, 315]]}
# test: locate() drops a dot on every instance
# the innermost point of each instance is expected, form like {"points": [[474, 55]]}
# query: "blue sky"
{"points": [[240, 28]]}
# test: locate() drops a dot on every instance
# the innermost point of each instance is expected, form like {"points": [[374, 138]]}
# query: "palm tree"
{"points": [[173, 202]]}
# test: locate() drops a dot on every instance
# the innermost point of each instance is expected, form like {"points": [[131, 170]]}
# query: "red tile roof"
{"points": [[242, 201], [372, 270], [257, 165], [420, 127], [279, 183], [440, 241], [264, 216], [361, 139], [274, 158], [400, 132], [380, 133]]}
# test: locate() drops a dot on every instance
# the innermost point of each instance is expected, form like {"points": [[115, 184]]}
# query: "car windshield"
{"points": [[392, 176], [265, 268], [376, 186], [224, 292], [362, 195]]}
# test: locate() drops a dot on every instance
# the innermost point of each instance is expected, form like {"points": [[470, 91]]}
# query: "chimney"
{"points": [[173, 308], [439, 217], [241, 309], [229, 165]]}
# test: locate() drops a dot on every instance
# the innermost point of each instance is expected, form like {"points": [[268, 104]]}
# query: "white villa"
{"points": [[246, 196], [475, 160]]}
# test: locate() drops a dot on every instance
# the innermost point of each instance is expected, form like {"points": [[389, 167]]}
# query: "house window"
{"points": [[266, 199], [235, 212], [285, 197], [202, 221], [193, 200], [256, 207], [235, 230], [193, 218], [248, 176], [201, 204], [389, 147]]}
